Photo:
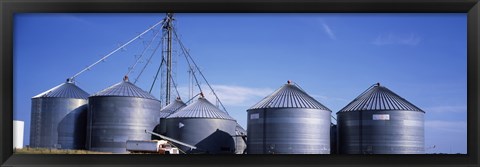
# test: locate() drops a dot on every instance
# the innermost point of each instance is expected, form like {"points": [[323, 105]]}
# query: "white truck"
{"points": [[151, 146]]}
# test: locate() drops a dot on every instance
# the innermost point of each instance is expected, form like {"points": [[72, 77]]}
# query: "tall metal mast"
{"points": [[168, 30]]}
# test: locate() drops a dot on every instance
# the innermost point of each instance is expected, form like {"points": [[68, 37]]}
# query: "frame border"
{"points": [[9, 7]]}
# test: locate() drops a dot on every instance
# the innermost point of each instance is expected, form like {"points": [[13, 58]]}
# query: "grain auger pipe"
{"points": [[171, 140]]}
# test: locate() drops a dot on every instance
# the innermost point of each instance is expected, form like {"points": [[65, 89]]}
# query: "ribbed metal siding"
{"points": [[213, 136], [166, 111], [288, 122], [289, 96], [399, 131], [203, 125], [114, 118], [171, 108], [288, 131], [72, 129], [48, 119], [402, 134], [201, 109], [125, 89], [55, 111], [379, 98], [333, 139], [64, 90]]}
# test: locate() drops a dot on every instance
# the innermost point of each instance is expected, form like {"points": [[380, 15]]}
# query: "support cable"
{"points": [[185, 103], [187, 54], [174, 84], [192, 98], [142, 54], [191, 69], [173, 81], [148, 61], [119, 48], [156, 75]]}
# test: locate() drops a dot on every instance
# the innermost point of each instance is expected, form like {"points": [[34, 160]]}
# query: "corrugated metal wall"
{"points": [[379, 121], [55, 114], [288, 122], [119, 113], [203, 125]]}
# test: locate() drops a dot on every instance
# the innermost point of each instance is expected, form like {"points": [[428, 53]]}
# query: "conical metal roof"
{"points": [[126, 89], [202, 108], [172, 107], [379, 98], [239, 130], [289, 96], [64, 90]]}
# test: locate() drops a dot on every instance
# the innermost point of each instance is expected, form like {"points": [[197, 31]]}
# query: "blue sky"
{"points": [[245, 57]]}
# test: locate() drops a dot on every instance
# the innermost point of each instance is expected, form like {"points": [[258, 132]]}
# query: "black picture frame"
{"points": [[9, 7]]}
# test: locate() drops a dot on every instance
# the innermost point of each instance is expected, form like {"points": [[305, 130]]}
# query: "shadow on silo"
{"points": [[219, 142], [72, 129]]}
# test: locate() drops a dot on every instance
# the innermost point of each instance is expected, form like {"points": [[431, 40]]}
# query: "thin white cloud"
{"points": [[446, 109], [232, 95], [76, 19], [328, 31], [410, 39], [446, 126]]}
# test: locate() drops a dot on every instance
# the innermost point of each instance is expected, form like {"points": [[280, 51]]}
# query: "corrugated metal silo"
{"points": [[333, 139], [379, 121], [289, 121], [172, 107], [119, 113], [203, 125], [58, 117], [240, 140], [161, 128]]}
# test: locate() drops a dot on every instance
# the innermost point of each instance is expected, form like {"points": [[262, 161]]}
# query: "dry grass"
{"points": [[54, 151]]}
